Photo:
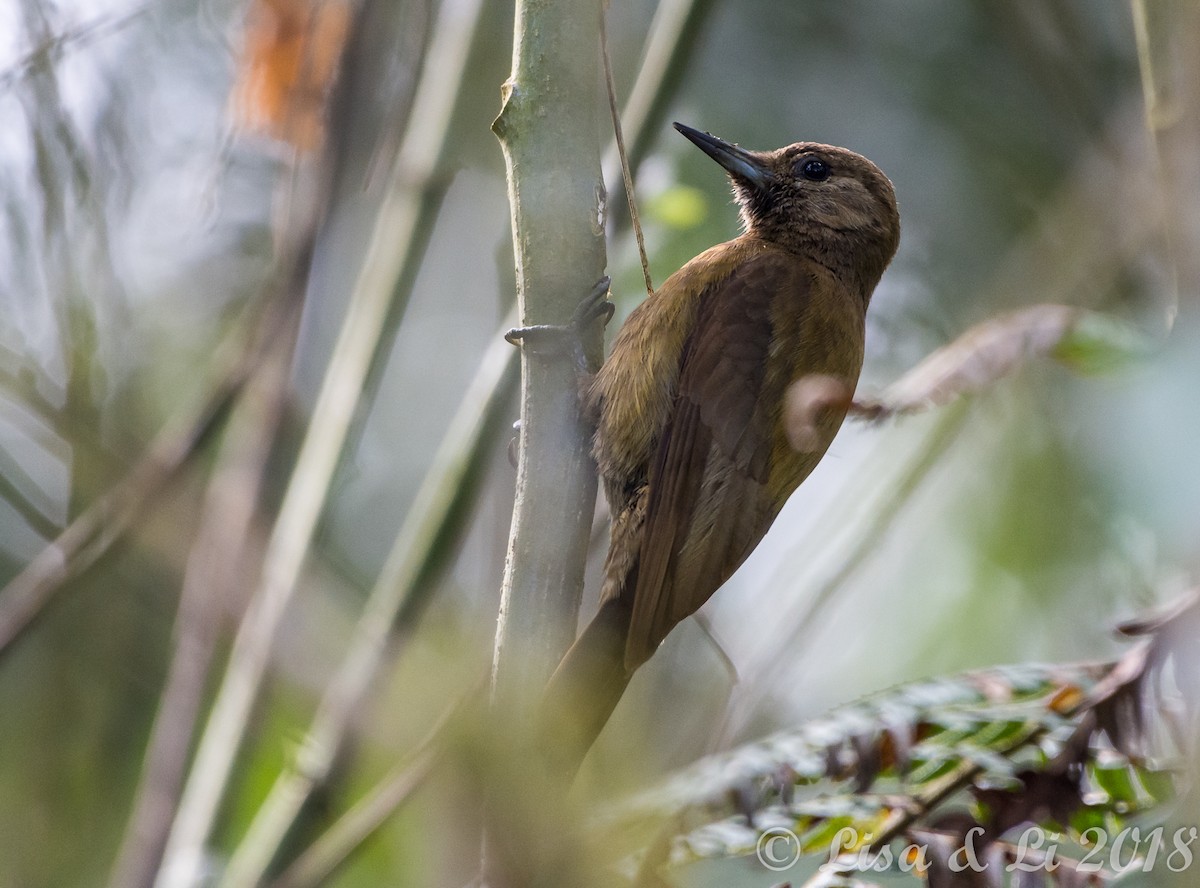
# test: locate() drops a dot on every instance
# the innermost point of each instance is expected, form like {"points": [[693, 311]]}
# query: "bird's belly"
{"points": [[829, 345]]}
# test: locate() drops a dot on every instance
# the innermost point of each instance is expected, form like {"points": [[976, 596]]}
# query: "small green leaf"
{"points": [[1117, 781], [821, 836], [932, 769], [1099, 343], [680, 207], [1160, 784], [995, 733], [1088, 817]]}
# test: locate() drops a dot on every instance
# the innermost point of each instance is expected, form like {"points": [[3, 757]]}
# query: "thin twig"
{"points": [[53, 47], [626, 174], [1158, 116], [358, 824], [24, 384], [673, 39], [12, 493]]}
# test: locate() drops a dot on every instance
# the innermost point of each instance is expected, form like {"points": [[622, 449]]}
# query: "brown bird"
{"points": [[690, 440]]}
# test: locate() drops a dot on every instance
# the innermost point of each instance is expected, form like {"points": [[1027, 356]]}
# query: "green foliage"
{"points": [[1058, 749]]}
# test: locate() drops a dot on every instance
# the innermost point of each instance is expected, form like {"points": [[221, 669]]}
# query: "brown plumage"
{"points": [[688, 407]]}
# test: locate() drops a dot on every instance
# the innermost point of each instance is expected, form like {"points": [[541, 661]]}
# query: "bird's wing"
{"points": [[709, 503]]}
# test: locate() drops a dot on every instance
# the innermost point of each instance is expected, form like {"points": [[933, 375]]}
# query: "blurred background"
{"points": [[158, 190]]}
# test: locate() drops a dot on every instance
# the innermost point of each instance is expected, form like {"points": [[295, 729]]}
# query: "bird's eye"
{"points": [[813, 169]]}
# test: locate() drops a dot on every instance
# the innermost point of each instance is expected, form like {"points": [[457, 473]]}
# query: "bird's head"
{"points": [[821, 200]]}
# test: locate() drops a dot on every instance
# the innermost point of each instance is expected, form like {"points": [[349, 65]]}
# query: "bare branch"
{"points": [[547, 128]]}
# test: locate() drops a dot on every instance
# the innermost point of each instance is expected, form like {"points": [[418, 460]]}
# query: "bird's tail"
{"points": [[585, 688]]}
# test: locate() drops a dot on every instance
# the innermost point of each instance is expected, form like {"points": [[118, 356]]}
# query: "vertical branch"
{"points": [[619, 141], [547, 128]]}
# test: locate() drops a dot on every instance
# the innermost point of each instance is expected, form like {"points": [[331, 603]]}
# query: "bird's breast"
{"points": [[821, 333]]}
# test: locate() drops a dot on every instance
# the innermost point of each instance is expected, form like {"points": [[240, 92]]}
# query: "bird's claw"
{"points": [[568, 338], [595, 307]]}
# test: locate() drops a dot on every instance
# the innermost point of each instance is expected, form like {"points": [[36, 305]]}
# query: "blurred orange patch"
{"points": [[289, 63], [913, 856], [1066, 699]]}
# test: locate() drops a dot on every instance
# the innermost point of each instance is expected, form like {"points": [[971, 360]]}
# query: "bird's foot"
{"points": [[568, 338]]}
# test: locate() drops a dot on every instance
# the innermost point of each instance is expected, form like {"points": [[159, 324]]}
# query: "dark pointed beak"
{"points": [[737, 161]]}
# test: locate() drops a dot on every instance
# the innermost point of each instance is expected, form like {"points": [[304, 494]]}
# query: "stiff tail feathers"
{"points": [[585, 689]]}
